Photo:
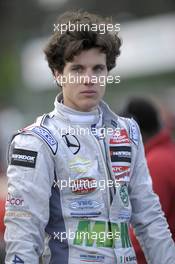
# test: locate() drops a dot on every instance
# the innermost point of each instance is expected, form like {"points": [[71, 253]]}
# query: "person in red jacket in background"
{"points": [[2, 226], [160, 155], [2, 213]]}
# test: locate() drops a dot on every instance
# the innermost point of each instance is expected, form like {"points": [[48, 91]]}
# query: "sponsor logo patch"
{"points": [[92, 258], [24, 158], [120, 153], [72, 143], [14, 200], [15, 206], [81, 204], [121, 173], [101, 234], [134, 133], [80, 165], [126, 259], [85, 214], [83, 185], [120, 136], [124, 215], [45, 134], [123, 191]]}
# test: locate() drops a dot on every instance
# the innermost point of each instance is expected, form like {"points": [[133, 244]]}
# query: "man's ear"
{"points": [[57, 78], [55, 73]]}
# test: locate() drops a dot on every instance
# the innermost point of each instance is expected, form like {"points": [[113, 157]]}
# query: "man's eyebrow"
{"points": [[101, 65], [77, 65]]}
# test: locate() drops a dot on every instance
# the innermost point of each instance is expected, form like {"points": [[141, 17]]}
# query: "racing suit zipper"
{"points": [[109, 195], [112, 192], [105, 170]]}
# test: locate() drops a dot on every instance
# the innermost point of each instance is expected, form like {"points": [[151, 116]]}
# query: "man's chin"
{"points": [[88, 106]]}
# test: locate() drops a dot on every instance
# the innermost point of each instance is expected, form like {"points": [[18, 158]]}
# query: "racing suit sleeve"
{"points": [[30, 177], [147, 219]]}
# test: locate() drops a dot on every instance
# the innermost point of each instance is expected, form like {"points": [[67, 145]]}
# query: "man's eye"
{"points": [[99, 69], [77, 69]]}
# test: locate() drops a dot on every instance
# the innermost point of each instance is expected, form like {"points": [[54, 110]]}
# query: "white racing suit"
{"points": [[71, 197]]}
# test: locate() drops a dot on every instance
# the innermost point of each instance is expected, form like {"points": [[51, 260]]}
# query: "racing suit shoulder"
{"points": [[40, 129], [133, 129]]}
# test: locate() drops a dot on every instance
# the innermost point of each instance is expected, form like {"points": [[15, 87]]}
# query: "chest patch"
{"points": [[120, 154]]}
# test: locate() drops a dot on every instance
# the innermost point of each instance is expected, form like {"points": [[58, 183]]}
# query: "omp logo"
{"points": [[83, 185]]}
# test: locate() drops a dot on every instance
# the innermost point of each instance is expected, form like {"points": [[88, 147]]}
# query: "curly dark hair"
{"points": [[62, 47]]}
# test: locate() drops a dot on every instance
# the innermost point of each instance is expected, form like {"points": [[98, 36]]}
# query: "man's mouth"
{"points": [[88, 92]]}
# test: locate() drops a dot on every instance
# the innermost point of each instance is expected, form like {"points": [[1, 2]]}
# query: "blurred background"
{"points": [[146, 65]]}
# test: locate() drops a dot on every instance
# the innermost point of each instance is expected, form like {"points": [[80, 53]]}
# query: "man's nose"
{"points": [[89, 77]]}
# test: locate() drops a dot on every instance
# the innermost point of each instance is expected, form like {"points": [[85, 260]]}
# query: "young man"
{"points": [[57, 209]]}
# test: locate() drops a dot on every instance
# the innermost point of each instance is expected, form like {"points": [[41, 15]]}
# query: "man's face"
{"points": [[83, 80]]}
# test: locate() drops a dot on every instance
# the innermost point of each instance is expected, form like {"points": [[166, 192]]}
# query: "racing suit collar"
{"points": [[74, 116], [105, 117]]}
